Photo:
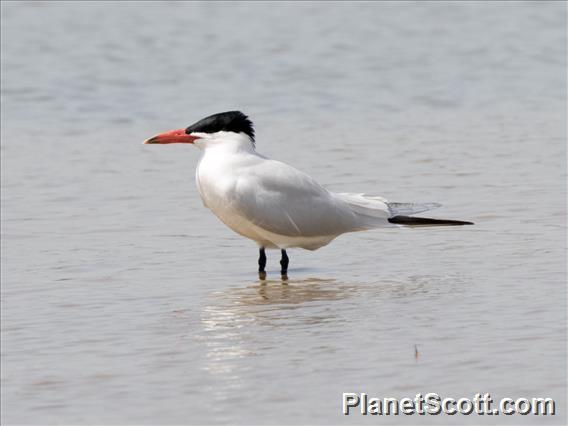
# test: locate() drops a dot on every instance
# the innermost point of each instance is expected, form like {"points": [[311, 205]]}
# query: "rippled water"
{"points": [[124, 301]]}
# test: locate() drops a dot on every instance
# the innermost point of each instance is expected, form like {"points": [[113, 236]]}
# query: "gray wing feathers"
{"points": [[375, 211], [407, 209], [288, 202], [371, 211], [285, 201]]}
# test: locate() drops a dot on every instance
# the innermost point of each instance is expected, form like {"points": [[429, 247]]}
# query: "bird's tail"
{"points": [[426, 221], [376, 212]]}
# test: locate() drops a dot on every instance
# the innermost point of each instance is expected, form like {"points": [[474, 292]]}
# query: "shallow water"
{"points": [[124, 301]]}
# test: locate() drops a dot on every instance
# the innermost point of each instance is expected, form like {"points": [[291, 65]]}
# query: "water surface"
{"points": [[124, 301]]}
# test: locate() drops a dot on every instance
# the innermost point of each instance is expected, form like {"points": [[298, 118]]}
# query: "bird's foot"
{"points": [[284, 275], [261, 275]]}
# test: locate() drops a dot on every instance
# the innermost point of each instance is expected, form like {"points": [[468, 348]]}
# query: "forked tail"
{"points": [[425, 221]]}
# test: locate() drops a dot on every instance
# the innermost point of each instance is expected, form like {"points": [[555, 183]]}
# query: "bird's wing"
{"points": [[283, 200], [408, 209]]}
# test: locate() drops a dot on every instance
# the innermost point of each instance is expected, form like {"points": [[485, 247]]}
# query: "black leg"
{"points": [[262, 263], [261, 260], [284, 263]]}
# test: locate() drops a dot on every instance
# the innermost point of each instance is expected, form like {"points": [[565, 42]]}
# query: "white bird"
{"points": [[274, 204]]}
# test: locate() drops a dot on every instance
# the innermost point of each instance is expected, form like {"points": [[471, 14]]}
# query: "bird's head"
{"points": [[226, 127]]}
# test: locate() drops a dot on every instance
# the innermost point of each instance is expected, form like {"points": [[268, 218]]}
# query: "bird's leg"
{"points": [[284, 264], [262, 263]]}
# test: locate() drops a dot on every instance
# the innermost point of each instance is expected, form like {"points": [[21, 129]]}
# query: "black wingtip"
{"points": [[426, 221]]}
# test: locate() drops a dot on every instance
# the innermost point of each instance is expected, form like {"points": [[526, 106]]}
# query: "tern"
{"points": [[274, 204]]}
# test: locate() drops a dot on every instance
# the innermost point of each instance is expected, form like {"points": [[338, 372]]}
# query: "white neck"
{"points": [[226, 141]]}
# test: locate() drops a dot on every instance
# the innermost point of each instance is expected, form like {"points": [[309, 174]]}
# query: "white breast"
{"points": [[216, 178], [221, 181]]}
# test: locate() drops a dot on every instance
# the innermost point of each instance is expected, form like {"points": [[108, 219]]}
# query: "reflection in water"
{"points": [[271, 292], [235, 323], [242, 322]]}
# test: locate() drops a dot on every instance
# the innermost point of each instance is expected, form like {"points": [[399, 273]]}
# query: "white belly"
{"points": [[264, 238], [216, 197]]}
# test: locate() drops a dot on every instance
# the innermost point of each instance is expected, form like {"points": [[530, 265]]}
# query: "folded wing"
{"points": [[285, 201]]}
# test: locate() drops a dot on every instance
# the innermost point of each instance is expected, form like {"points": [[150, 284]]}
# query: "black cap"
{"points": [[230, 121]]}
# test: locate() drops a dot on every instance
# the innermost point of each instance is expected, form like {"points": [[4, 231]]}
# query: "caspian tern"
{"points": [[274, 204]]}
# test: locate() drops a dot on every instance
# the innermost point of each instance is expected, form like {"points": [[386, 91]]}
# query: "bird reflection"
{"points": [[239, 322], [252, 321], [285, 291]]}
